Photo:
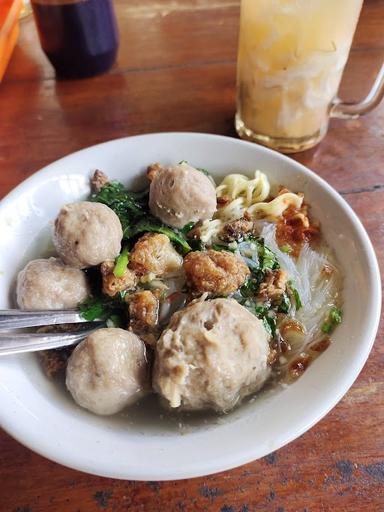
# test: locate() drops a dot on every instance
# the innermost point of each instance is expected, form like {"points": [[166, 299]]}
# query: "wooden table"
{"points": [[176, 71]]}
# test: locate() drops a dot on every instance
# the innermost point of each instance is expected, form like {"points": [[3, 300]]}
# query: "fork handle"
{"points": [[33, 342], [16, 318]]}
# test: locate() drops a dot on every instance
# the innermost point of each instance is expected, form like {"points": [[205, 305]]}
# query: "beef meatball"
{"points": [[181, 194], [49, 284], [86, 234], [108, 371], [215, 272], [211, 355]]}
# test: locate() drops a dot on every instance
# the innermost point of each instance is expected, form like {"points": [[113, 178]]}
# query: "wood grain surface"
{"points": [[176, 71]]}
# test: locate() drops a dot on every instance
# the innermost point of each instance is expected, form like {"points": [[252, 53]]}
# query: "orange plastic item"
{"points": [[9, 30]]}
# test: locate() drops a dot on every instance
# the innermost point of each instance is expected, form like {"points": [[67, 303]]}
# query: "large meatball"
{"points": [[181, 194], [211, 355], [108, 371], [49, 284], [86, 234]]}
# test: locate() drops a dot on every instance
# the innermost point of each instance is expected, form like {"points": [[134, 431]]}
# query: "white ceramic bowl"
{"points": [[143, 445]]}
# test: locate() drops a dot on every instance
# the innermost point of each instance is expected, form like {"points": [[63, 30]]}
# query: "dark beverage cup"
{"points": [[79, 37]]}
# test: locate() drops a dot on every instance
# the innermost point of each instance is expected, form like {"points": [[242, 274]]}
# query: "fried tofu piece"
{"points": [[153, 253], [215, 272], [112, 284], [143, 309]]}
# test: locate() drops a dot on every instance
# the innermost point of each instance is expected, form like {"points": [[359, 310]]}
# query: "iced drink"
{"points": [[291, 57]]}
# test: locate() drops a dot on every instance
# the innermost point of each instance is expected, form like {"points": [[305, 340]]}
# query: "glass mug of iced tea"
{"points": [[291, 58]]}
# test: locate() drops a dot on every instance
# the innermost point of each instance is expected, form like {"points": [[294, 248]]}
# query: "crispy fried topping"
{"points": [[154, 253], [215, 272], [112, 284], [98, 181], [143, 308], [273, 287], [152, 170], [236, 230], [294, 229]]}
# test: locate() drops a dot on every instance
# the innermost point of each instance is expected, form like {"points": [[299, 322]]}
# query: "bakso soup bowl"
{"points": [[144, 443]]}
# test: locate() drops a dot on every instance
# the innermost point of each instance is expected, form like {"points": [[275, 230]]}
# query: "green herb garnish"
{"points": [[187, 228], [296, 294], [220, 247], [265, 262], [121, 263], [268, 317], [103, 308], [287, 249], [133, 212], [127, 205], [250, 288], [150, 223], [269, 259], [284, 305], [335, 317]]}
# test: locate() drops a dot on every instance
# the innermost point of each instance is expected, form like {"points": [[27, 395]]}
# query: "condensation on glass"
{"points": [[291, 58]]}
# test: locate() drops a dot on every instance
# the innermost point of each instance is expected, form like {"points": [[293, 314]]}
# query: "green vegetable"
{"points": [[270, 325], [103, 308], [127, 205], [286, 248], [299, 304], [293, 291], [284, 304], [260, 266], [133, 212], [250, 288], [335, 317], [121, 263], [221, 247], [268, 258], [150, 223], [268, 317], [264, 263], [187, 228]]}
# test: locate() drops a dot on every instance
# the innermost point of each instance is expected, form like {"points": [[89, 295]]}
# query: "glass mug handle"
{"points": [[343, 110]]}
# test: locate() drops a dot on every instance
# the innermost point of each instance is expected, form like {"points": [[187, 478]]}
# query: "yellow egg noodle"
{"points": [[276, 207], [246, 195], [250, 190]]}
